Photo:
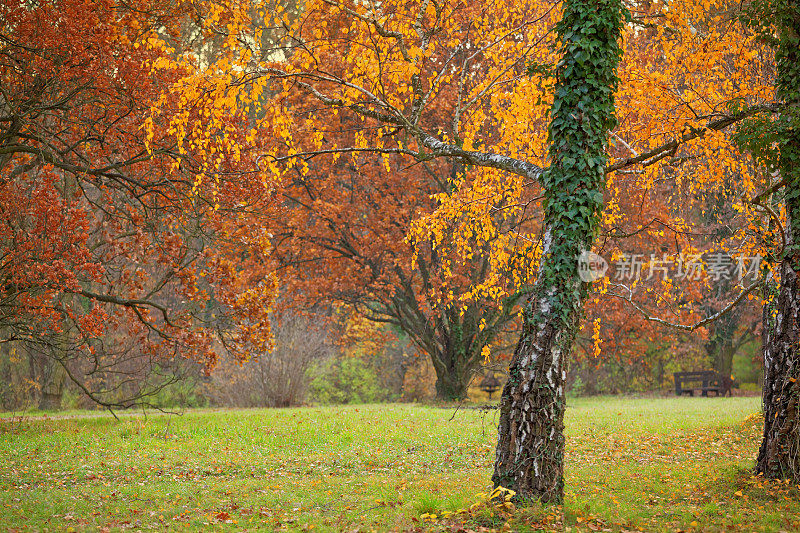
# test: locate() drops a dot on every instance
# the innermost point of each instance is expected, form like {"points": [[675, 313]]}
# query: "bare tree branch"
{"points": [[669, 148], [684, 327]]}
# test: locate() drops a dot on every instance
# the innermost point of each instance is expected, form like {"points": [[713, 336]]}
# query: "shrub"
{"points": [[342, 380]]}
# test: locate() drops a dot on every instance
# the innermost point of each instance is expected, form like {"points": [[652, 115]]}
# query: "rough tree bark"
{"points": [[779, 454], [530, 449]]}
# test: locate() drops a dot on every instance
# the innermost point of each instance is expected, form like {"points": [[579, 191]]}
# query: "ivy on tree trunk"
{"points": [[530, 449]]}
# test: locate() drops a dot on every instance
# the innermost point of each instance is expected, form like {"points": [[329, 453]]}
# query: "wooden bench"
{"points": [[490, 384], [703, 380]]}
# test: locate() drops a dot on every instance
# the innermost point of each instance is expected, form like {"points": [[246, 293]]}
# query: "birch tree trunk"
{"points": [[530, 449], [779, 454]]}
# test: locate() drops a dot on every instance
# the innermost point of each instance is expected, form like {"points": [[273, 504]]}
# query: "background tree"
{"points": [[340, 234], [113, 262], [340, 229]]}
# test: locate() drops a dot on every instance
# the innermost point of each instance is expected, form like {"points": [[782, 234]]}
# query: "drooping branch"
{"points": [[437, 147], [684, 327]]}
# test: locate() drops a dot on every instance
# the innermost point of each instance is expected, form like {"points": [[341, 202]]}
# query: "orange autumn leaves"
{"points": [[103, 244], [336, 83]]}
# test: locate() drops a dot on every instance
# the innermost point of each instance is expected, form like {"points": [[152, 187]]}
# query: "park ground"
{"points": [[677, 464]]}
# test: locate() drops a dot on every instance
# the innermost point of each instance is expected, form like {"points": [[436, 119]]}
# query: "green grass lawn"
{"points": [[631, 464]]}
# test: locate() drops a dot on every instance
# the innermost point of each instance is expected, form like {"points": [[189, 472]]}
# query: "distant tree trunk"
{"points": [[590, 379], [779, 454], [724, 337], [724, 366], [530, 448], [451, 385], [454, 341], [49, 376], [455, 363], [51, 400], [722, 346]]}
